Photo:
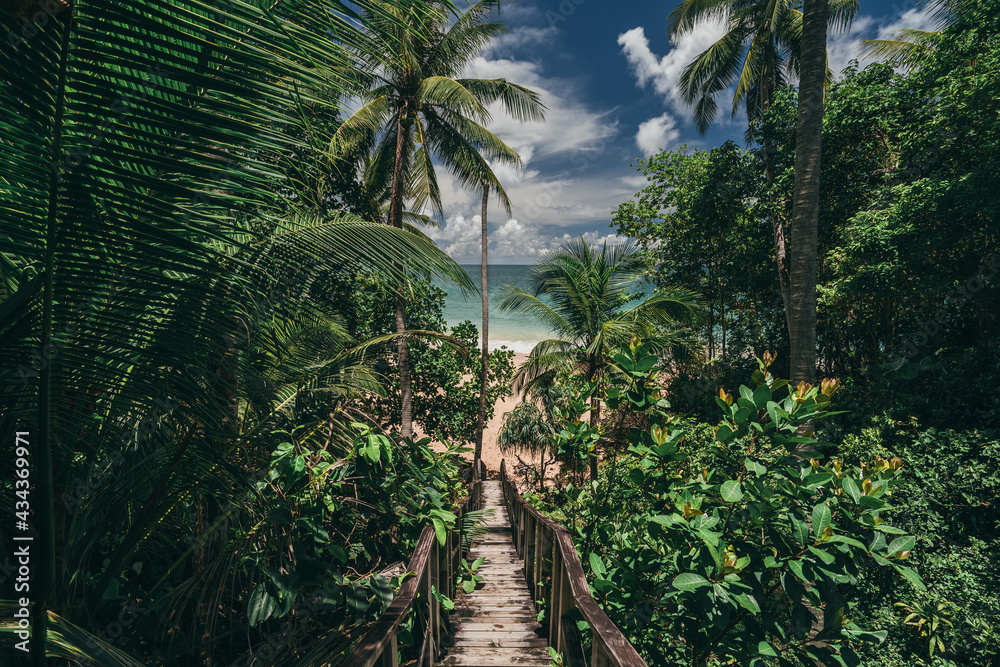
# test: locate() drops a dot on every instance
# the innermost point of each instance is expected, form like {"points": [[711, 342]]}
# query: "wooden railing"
{"points": [[554, 574], [434, 565]]}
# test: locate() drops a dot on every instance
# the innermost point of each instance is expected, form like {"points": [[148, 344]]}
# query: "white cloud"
{"points": [[663, 73], [845, 46], [657, 134], [570, 125], [512, 242], [519, 38]]}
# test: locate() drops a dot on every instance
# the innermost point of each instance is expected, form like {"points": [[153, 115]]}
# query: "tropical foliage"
{"points": [[582, 295]]}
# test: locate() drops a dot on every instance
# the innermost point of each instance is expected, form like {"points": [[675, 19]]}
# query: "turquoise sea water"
{"points": [[515, 331]]}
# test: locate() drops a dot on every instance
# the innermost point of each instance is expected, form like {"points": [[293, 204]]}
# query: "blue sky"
{"points": [[608, 74]]}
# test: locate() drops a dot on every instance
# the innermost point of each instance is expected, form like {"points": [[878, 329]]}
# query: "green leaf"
{"points": [[820, 519], [904, 543], [761, 396], [800, 528], [741, 416], [851, 488], [724, 434], [597, 565], [688, 581], [847, 540], [469, 585], [732, 491], [604, 585], [824, 556], [637, 476], [755, 467], [748, 602], [766, 648], [911, 576], [817, 480], [877, 637], [439, 530], [261, 605]]}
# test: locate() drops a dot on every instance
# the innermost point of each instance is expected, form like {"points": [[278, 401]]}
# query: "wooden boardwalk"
{"points": [[496, 624]]}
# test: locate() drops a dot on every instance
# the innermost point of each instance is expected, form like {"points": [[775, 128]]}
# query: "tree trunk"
{"points": [[805, 205], [777, 226], [595, 414], [485, 365], [396, 220]]}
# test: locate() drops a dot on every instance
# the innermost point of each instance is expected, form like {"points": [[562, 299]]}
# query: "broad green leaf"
{"points": [[852, 489], [824, 556], [755, 467], [732, 491], [800, 529], [761, 396], [597, 565], [748, 602], [911, 576], [820, 519], [904, 543], [766, 648], [439, 530], [261, 605], [689, 581]]}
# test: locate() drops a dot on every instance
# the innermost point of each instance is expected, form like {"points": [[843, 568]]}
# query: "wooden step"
{"points": [[496, 625]]}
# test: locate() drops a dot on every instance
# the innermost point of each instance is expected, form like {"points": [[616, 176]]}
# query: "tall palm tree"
{"points": [[590, 315], [155, 124], [758, 53], [484, 365], [416, 105], [805, 203]]}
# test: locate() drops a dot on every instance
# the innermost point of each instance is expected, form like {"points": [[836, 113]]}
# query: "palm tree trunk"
{"points": [[777, 226], [595, 413], [805, 205], [485, 366], [780, 244], [402, 349]]}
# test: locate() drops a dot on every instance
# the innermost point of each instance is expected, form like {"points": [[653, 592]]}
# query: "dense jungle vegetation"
{"points": [[225, 363]]}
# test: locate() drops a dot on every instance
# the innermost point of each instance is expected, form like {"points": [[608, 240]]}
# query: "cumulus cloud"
{"points": [[571, 126], [514, 241], [657, 134], [662, 74]]}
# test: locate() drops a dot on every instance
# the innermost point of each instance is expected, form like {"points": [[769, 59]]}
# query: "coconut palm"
{"points": [[590, 312], [758, 53], [805, 198], [416, 105], [138, 176]]}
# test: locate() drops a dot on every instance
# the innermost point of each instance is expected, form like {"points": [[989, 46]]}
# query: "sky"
{"points": [[608, 74]]}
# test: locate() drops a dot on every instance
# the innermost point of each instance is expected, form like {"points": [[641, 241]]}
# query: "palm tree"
{"points": [[484, 366], [416, 105], [590, 312], [805, 203], [760, 49], [156, 125]]}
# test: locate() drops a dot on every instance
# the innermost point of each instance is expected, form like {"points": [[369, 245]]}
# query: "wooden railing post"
{"points": [[536, 568], [555, 596], [434, 575], [390, 654]]}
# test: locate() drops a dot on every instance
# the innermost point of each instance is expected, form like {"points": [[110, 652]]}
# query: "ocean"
{"points": [[515, 331]]}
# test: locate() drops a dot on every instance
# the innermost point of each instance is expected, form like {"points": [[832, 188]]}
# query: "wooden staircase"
{"points": [[496, 624]]}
